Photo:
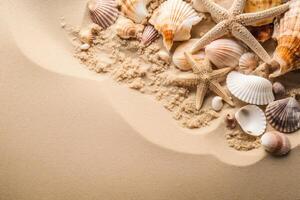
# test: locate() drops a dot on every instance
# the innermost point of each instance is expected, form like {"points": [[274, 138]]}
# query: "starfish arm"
{"points": [[237, 7], [242, 33], [251, 18], [216, 32], [185, 80], [198, 66], [220, 74], [220, 91], [217, 12], [200, 94]]}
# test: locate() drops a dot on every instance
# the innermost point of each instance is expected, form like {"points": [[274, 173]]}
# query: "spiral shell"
{"points": [[127, 29], [248, 62], [149, 35], [103, 12], [88, 35], [224, 52], [284, 115], [276, 143], [174, 20], [135, 10]]}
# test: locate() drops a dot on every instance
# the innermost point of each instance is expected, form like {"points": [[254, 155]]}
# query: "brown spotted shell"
{"points": [[276, 143]]}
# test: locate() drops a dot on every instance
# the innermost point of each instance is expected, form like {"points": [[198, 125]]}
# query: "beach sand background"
{"points": [[68, 133]]}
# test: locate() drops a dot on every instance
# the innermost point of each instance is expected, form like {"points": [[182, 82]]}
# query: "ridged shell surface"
{"points": [[127, 29], [276, 143], [150, 34], [250, 88], [252, 120], [135, 10], [284, 115], [248, 62], [224, 52], [103, 12], [174, 20]]}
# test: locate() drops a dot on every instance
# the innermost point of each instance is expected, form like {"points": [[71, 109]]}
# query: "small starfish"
{"points": [[234, 21], [204, 78]]}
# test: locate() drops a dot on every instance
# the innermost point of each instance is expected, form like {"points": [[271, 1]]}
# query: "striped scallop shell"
{"points": [[276, 143], [127, 29], [250, 89], [174, 20], [103, 12], [149, 35], [252, 120], [260, 5], [284, 115], [224, 52], [287, 53], [135, 10], [248, 62]]}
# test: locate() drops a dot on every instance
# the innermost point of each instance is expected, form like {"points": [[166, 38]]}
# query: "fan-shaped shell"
{"points": [[276, 143], [260, 5], [103, 12], [174, 20], [284, 115], [248, 62], [179, 58], [149, 35], [224, 52], [135, 10], [250, 89], [127, 29], [252, 120], [287, 53]]}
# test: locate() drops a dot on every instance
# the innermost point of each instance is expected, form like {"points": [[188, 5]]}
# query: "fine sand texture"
{"points": [[68, 133]]}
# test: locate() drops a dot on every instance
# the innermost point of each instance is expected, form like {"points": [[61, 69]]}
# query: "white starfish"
{"points": [[234, 21]]}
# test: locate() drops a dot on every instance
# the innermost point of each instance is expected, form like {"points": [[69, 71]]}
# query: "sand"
{"points": [[68, 133]]}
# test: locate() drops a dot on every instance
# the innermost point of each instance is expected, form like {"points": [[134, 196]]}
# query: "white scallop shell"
{"points": [[217, 103], [248, 62], [252, 120], [276, 143], [174, 20], [250, 88], [224, 52], [149, 35], [135, 10]]}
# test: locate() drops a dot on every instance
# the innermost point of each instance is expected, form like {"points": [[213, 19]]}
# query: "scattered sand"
{"points": [[241, 141]]}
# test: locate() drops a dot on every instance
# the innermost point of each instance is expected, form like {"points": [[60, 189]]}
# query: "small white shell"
{"points": [[248, 62], [250, 88], [217, 103], [85, 47], [135, 10], [276, 143], [88, 34], [224, 52], [252, 120], [164, 56]]}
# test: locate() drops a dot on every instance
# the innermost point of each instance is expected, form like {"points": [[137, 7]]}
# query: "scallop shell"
{"points": [[248, 62], [127, 29], [179, 58], [250, 88], [224, 52], [284, 115], [260, 5], [252, 120], [149, 35], [287, 53], [276, 143], [174, 20], [135, 10], [103, 12]]}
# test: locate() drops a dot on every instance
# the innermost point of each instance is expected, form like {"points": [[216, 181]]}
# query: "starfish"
{"points": [[204, 78], [234, 21]]}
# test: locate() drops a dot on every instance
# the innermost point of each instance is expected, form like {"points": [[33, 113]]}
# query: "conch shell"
{"points": [[135, 10], [174, 20], [276, 143], [127, 29]]}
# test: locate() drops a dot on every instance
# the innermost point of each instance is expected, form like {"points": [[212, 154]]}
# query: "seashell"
{"points": [[230, 121], [263, 33], [278, 89], [135, 10], [224, 52], [88, 35], [85, 47], [164, 56], [248, 62], [276, 143], [127, 29], [197, 5], [174, 20], [287, 53], [217, 103], [284, 115], [150, 34], [252, 120], [250, 88], [179, 58], [103, 12], [260, 5]]}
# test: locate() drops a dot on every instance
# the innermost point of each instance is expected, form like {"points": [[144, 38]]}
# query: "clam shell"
{"points": [[284, 115], [276, 143], [224, 52], [179, 58], [248, 62], [287, 52], [249, 88], [174, 20], [135, 10], [260, 5], [252, 120], [103, 12], [127, 29], [149, 35]]}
